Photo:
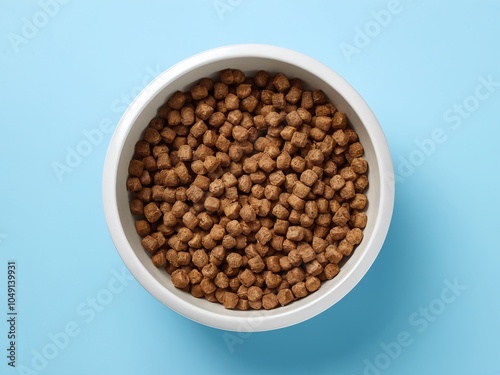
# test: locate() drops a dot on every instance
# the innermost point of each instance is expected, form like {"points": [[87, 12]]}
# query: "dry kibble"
{"points": [[361, 183], [150, 244], [180, 278], [249, 191], [185, 153], [270, 301], [348, 192], [152, 212], [285, 296], [356, 150], [204, 111], [314, 268], [210, 271], [135, 168], [306, 253], [295, 275], [264, 235], [345, 247], [200, 258], [359, 165], [199, 92], [296, 202], [299, 139], [159, 259], [247, 213], [190, 220], [283, 161], [261, 78], [298, 164], [208, 286], [301, 190], [358, 220], [359, 202], [280, 228], [211, 204], [133, 184], [312, 284], [299, 290], [332, 254], [331, 270], [354, 236], [136, 207], [281, 82], [254, 294], [308, 177], [232, 211], [256, 264], [194, 194], [230, 300], [337, 182], [247, 277], [234, 260], [183, 258]]}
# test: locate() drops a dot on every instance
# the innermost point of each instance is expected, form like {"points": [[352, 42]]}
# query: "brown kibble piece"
{"points": [[134, 184], [299, 139], [152, 212], [256, 264], [136, 167], [200, 258], [339, 120], [247, 277], [199, 92], [269, 301], [331, 270], [247, 213], [254, 294], [295, 233], [295, 275], [354, 236], [355, 150], [211, 204], [281, 82], [285, 296], [312, 284], [204, 111], [301, 190], [177, 100], [159, 259], [264, 235], [180, 278], [359, 165], [359, 202], [136, 207], [208, 286], [230, 300], [332, 254], [194, 193], [261, 78], [234, 260], [150, 244], [299, 290]]}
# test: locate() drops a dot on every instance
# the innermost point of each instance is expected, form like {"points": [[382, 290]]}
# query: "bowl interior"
{"points": [[157, 281]]}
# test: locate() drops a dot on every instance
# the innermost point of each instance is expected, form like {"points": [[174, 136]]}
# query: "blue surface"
{"points": [[429, 305]]}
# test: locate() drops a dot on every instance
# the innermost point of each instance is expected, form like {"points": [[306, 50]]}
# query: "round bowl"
{"points": [[249, 58]]}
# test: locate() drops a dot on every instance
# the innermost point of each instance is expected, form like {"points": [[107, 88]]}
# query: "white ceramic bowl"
{"points": [[249, 58]]}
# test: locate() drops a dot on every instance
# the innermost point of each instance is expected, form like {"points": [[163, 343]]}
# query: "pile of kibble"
{"points": [[249, 191]]}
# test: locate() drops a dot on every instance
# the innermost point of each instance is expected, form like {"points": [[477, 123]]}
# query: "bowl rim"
{"points": [[277, 320]]}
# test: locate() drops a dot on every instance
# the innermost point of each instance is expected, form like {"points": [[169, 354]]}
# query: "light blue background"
{"points": [[86, 62]]}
